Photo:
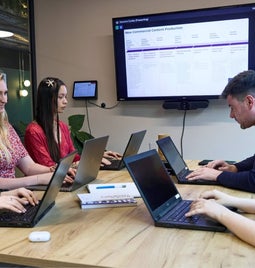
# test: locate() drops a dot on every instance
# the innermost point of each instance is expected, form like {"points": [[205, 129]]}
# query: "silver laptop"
{"points": [[35, 213], [161, 197], [177, 164], [91, 158], [89, 165], [132, 148]]}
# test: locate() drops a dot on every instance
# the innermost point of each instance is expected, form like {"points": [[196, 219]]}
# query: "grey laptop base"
{"points": [[35, 213], [161, 197], [177, 164], [132, 148]]}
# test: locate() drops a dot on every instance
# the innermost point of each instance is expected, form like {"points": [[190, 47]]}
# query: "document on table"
{"points": [[118, 188]]}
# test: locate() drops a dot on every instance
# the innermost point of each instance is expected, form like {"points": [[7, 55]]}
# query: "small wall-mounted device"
{"points": [[85, 90]]}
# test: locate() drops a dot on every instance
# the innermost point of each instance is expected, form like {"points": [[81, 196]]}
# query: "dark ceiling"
{"points": [[14, 18]]}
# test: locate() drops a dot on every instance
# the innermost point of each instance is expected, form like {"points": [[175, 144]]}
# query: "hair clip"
{"points": [[50, 82]]}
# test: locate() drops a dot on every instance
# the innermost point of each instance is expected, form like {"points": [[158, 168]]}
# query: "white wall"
{"points": [[74, 42]]}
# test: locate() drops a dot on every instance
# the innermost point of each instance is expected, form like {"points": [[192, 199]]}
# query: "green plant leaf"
{"points": [[82, 136], [77, 145], [76, 122]]}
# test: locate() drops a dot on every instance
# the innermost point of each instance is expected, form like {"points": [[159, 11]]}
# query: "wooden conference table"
{"points": [[122, 237]]}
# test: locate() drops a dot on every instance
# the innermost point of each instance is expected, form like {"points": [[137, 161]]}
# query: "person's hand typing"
{"points": [[222, 166], [204, 173], [105, 162], [69, 178], [112, 155], [16, 199], [206, 207], [219, 197]]}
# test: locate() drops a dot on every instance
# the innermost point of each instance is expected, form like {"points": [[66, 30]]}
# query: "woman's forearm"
{"points": [[13, 183], [241, 226]]}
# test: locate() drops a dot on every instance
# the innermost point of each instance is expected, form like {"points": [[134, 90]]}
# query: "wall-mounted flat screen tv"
{"points": [[188, 55]]}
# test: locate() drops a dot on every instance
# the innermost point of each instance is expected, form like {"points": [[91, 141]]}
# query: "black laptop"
{"points": [[177, 164], [161, 197], [34, 213], [132, 148]]}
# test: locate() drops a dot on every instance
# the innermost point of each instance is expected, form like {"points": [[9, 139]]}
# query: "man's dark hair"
{"points": [[241, 85]]}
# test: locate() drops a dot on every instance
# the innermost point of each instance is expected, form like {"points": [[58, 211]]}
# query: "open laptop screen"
{"points": [[152, 179], [171, 154]]}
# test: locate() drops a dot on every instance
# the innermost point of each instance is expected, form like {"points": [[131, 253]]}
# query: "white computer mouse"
{"points": [[39, 236]]}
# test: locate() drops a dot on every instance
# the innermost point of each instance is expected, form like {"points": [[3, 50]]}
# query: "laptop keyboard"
{"points": [[178, 215], [11, 216], [114, 164], [66, 187], [183, 174]]}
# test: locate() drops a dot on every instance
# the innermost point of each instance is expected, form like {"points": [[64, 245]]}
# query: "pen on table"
{"points": [[111, 186]]}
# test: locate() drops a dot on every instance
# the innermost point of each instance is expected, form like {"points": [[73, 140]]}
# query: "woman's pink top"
{"points": [[7, 170]]}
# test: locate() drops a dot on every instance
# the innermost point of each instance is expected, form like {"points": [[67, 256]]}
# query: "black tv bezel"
{"points": [[85, 97], [185, 98]]}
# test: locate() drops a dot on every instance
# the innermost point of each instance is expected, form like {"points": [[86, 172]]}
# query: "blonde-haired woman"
{"points": [[13, 154]]}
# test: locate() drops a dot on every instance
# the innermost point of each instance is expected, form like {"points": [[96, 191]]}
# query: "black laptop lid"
{"points": [[172, 155], [54, 185], [153, 182]]}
